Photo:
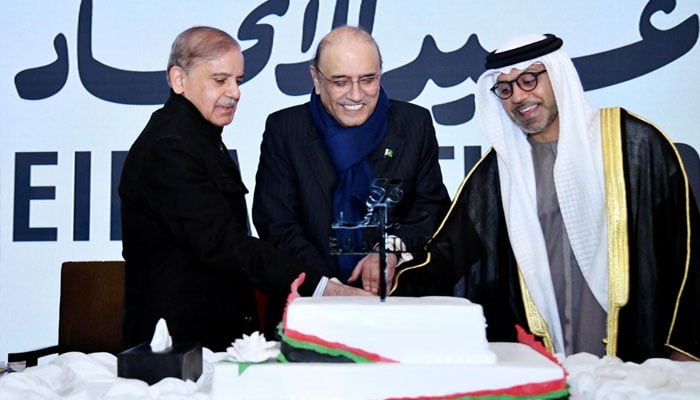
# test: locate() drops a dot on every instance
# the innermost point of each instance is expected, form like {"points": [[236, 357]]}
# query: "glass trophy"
{"points": [[369, 235]]}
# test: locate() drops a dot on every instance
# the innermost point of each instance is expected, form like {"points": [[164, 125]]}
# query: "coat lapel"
{"points": [[384, 157], [319, 163]]}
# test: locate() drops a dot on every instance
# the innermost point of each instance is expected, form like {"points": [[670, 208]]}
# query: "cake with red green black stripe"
{"points": [[400, 348]]}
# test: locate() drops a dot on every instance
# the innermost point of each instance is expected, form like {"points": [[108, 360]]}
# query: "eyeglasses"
{"points": [[367, 83], [527, 81]]}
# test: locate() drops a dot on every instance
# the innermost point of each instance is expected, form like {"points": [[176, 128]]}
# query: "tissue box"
{"points": [[181, 360]]}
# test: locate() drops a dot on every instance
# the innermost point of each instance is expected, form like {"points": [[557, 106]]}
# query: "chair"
{"points": [[90, 313], [261, 300]]}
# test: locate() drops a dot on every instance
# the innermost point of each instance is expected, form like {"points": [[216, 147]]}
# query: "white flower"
{"points": [[253, 348]]}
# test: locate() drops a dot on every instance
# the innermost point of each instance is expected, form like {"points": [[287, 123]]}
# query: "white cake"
{"points": [[519, 372], [409, 330], [427, 348]]}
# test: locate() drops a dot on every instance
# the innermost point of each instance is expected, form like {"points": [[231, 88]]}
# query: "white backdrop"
{"points": [[48, 120]]}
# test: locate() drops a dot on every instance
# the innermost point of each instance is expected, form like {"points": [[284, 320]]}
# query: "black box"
{"points": [[181, 360]]}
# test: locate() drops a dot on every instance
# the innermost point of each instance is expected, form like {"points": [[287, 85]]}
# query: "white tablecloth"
{"points": [[609, 378], [79, 376]]}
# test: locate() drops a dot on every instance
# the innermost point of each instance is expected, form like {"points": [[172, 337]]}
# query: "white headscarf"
{"points": [[578, 179]]}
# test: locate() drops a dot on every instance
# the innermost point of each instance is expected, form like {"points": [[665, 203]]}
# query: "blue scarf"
{"points": [[348, 149]]}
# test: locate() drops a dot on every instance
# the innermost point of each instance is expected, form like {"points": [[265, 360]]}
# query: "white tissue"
{"points": [[253, 348], [161, 337]]}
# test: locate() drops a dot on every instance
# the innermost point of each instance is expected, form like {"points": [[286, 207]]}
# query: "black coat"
{"points": [[661, 313], [296, 181], [188, 255]]}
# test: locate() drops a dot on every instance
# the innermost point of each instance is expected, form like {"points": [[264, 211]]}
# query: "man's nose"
{"points": [[356, 93], [233, 90], [518, 94]]}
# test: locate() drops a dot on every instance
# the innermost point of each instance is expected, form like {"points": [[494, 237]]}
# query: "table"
{"points": [[79, 376]]}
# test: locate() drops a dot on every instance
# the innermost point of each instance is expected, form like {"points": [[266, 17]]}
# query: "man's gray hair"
{"points": [[199, 43]]}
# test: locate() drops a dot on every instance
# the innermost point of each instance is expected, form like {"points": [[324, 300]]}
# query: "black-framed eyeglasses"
{"points": [[367, 83], [526, 81]]}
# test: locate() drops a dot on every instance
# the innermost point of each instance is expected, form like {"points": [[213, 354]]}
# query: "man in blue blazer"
{"points": [[318, 160]]}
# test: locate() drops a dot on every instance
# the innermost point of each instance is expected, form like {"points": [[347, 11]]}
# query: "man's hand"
{"points": [[678, 356], [335, 288], [368, 268]]}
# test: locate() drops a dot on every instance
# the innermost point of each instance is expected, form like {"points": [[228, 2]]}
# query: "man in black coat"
{"points": [[318, 159], [189, 257]]}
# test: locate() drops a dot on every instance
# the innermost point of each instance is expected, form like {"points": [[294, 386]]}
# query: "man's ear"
{"points": [[177, 76], [314, 76]]}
